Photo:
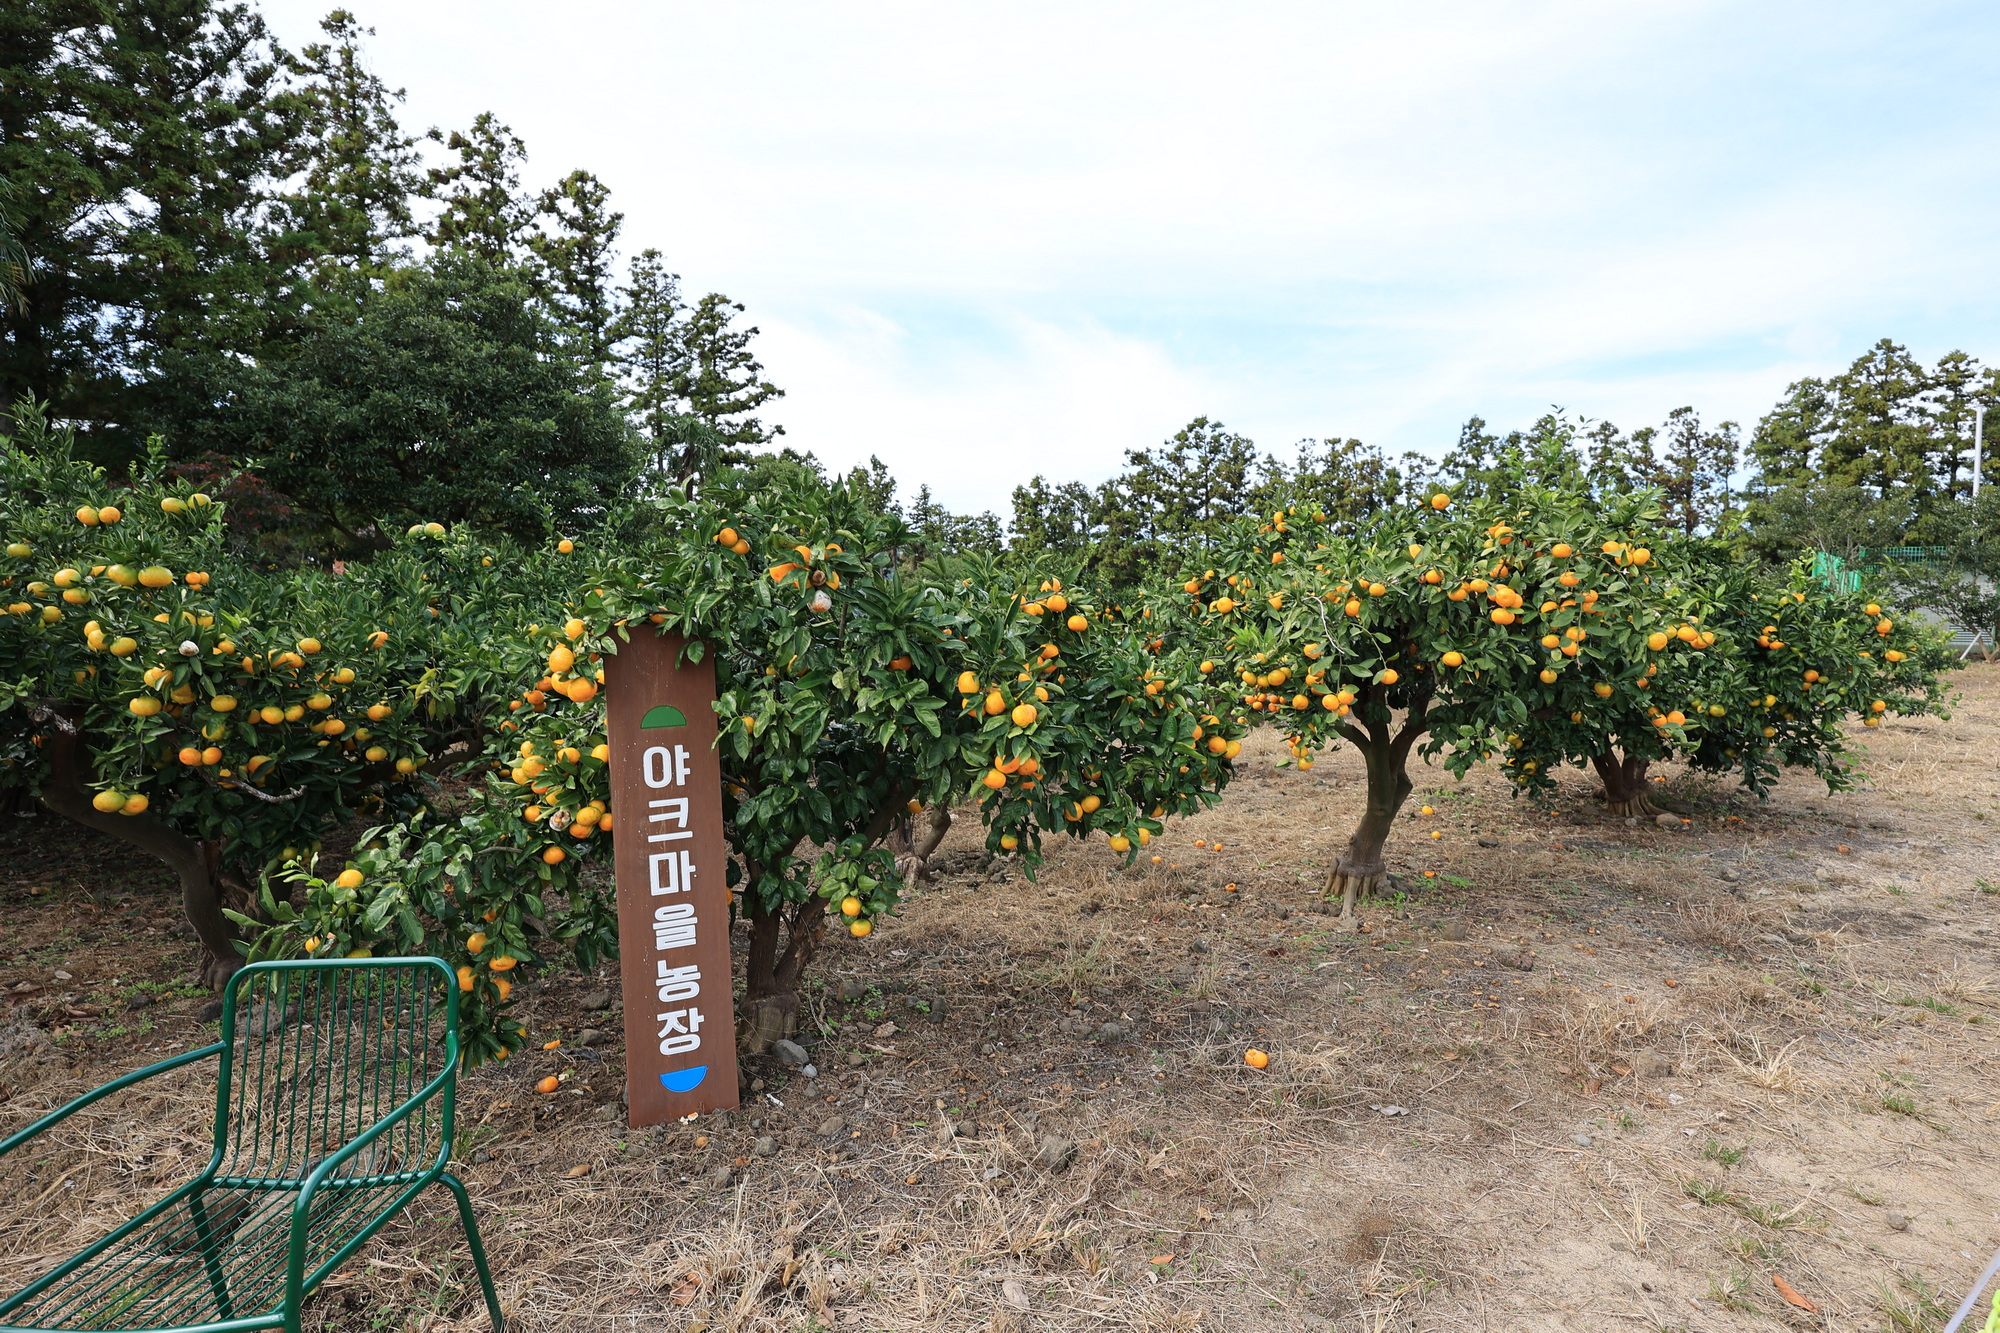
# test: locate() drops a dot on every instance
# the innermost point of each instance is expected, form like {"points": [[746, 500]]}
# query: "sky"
{"points": [[985, 242]]}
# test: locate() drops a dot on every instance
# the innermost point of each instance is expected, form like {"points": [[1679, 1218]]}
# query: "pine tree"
{"points": [[576, 253], [142, 138], [1194, 483], [484, 212], [1693, 470], [356, 169], [1956, 385], [1786, 442], [650, 355], [720, 381], [17, 267], [1881, 431]]}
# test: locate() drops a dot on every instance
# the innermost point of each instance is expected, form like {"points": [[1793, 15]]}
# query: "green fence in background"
{"points": [[1840, 576]]}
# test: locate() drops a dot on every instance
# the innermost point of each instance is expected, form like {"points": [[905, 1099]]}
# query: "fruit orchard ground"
{"points": [[1742, 1047]]}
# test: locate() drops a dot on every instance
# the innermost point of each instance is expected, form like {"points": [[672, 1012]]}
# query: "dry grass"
{"points": [[1639, 1131]]}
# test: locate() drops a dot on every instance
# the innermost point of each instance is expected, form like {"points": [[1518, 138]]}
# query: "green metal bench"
{"points": [[333, 1109]]}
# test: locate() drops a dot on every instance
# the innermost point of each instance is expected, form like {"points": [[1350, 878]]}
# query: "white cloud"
{"points": [[973, 419], [985, 242]]}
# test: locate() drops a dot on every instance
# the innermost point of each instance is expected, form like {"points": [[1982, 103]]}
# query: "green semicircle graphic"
{"points": [[662, 715]]}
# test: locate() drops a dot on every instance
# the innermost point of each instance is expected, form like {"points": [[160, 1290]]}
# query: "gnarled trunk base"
{"points": [[1352, 883], [1626, 792], [1635, 805], [769, 1008]]}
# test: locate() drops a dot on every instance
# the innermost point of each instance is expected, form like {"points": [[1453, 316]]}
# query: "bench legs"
{"points": [[457, 1187]]}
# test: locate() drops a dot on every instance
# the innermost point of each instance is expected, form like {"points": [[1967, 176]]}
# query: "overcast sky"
{"points": [[984, 242]]}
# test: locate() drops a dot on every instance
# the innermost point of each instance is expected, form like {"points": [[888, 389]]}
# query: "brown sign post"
{"points": [[673, 899]]}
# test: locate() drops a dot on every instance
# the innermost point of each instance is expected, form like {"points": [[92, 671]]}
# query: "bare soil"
{"points": [[1586, 1075]]}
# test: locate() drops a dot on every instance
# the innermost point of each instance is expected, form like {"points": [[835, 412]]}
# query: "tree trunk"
{"points": [[770, 1005], [1359, 872], [914, 850], [771, 974], [1625, 789], [198, 865]]}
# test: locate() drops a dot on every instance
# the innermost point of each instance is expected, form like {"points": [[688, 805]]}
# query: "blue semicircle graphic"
{"points": [[684, 1080]]}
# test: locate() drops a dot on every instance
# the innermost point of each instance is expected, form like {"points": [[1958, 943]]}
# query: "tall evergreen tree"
{"points": [[484, 211], [355, 169], [1880, 436], [651, 357], [141, 137], [1059, 522], [1692, 470], [1192, 484], [444, 396], [576, 254], [1956, 386], [720, 381], [17, 267]]}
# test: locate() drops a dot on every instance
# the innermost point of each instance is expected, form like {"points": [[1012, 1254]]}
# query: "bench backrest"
{"points": [[316, 1052]]}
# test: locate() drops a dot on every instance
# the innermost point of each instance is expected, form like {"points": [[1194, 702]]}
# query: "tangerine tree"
{"points": [[1751, 672], [218, 717], [856, 688], [1441, 628]]}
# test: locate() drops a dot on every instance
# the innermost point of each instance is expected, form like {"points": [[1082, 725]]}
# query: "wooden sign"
{"points": [[673, 899]]}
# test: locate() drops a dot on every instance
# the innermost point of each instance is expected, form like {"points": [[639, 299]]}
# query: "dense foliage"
{"points": [[225, 718], [1543, 627]]}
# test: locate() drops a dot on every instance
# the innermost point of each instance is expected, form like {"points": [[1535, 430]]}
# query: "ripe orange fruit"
{"points": [[860, 929], [465, 978], [349, 878], [996, 703], [1440, 501], [190, 756], [1561, 551], [553, 855], [1077, 623], [1389, 677], [548, 1085], [1453, 659], [995, 779], [1656, 640], [1255, 1058], [108, 802], [1024, 715]]}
